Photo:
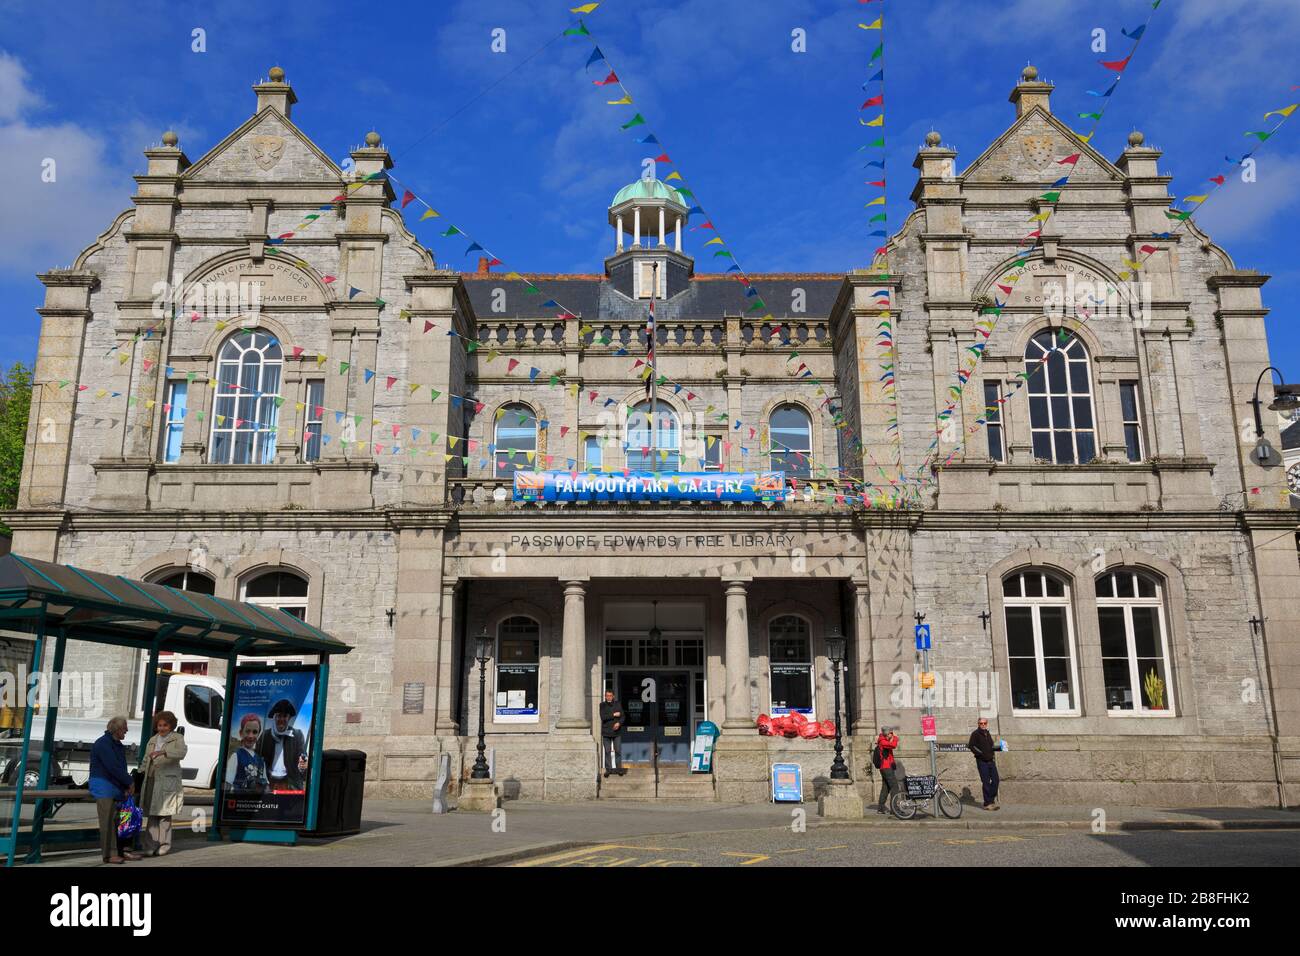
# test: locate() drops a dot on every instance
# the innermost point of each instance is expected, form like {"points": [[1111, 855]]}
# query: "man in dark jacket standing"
{"points": [[982, 746], [611, 734]]}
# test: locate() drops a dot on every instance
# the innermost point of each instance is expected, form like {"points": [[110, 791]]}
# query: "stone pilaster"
{"points": [[575, 709]]}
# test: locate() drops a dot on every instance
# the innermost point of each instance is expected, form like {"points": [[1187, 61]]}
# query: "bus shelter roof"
{"points": [[113, 609]]}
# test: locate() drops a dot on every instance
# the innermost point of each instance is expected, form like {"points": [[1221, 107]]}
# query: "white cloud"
{"points": [[16, 97], [46, 224], [1240, 210]]}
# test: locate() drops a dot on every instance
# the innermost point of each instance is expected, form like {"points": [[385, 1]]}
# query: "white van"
{"points": [[197, 701]]}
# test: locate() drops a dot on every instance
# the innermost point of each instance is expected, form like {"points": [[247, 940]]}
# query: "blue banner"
{"points": [[750, 486]]}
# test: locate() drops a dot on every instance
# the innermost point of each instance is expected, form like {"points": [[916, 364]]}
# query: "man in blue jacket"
{"points": [[109, 785]]}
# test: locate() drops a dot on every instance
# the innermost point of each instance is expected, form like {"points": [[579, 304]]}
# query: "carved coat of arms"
{"points": [[1037, 151], [267, 150]]}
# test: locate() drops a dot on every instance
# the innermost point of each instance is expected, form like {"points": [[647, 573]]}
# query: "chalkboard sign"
{"points": [[919, 788]]}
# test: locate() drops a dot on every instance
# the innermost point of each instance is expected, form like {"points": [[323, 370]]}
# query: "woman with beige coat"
{"points": [[163, 791]]}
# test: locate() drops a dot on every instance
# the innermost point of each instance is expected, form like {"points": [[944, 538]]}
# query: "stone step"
{"points": [[675, 783]]}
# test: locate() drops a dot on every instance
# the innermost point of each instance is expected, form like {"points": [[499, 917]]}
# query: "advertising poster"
{"points": [[267, 768]]}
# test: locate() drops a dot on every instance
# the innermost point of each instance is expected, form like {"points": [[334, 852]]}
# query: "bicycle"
{"points": [[905, 807]]}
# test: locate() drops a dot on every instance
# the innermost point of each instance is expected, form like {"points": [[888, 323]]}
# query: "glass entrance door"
{"points": [[657, 704]]}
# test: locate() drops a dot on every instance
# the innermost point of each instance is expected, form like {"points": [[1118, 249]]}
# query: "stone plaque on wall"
{"points": [[413, 697]]}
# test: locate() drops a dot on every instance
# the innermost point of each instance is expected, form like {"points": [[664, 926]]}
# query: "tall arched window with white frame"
{"points": [[515, 440], [1134, 643], [790, 665], [1042, 667], [664, 453], [282, 590], [246, 410], [790, 431], [518, 660], [1063, 427]]}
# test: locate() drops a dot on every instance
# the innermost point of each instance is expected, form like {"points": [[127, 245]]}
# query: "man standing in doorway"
{"points": [[611, 735], [982, 746]]}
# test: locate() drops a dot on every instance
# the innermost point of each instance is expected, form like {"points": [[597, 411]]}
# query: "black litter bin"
{"points": [[354, 792], [333, 793]]}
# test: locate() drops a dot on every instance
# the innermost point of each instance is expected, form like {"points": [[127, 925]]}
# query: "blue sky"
{"points": [[768, 138]]}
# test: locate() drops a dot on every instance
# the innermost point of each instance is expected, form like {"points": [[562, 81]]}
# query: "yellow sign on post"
{"points": [[927, 680]]}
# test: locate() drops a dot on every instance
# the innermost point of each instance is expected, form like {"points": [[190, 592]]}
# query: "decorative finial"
{"points": [[170, 138], [373, 139], [1029, 73], [276, 74], [1136, 139], [932, 138]]}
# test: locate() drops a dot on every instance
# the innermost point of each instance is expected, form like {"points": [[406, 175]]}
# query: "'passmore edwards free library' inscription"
{"points": [[563, 543]]}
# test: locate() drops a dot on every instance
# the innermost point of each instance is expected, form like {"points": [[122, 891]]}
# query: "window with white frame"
{"points": [[174, 419], [314, 420], [712, 460], [666, 455], [790, 665], [1040, 643], [517, 664], [591, 453], [1134, 643], [790, 432], [993, 421], [515, 439], [245, 412], [1131, 412], [282, 590], [171, 662], [1060, 399]]}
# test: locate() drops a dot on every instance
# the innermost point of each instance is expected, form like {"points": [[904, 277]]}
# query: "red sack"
{"points": [[809, 730], [828, 728], [764, 725], [797, 719]]}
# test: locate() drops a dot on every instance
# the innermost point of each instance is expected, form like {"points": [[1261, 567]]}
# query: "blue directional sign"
{"points": [[923, 637]]}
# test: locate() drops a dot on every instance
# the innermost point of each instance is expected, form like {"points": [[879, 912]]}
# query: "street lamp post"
{"points": [[835, 651], [482, 651], [1286, 398]]}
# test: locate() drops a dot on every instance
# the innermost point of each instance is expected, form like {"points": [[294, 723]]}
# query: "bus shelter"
{"points": [[55, 603]]}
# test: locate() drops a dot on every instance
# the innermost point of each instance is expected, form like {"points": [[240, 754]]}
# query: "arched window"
{"points": [[283, 590], [791, 441], [790, 665], [516, 439], [1060, 400], [666, 455], [245, 413], [1134, 645], [517, 661], [187, 580], [1040, 643], [171, 662]]}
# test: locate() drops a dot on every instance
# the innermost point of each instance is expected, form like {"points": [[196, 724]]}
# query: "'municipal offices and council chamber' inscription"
{"points": [[645, 542]]}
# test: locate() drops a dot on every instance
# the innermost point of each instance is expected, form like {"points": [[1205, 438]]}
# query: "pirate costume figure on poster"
{"points": [[246, 771], [283, 748]]}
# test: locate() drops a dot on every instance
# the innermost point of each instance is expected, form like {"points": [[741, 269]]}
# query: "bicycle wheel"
{"points": [[949, 803], [901, 806]]}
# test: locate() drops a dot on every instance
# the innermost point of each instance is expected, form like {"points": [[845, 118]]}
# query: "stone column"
{"points": [[864, 680], [636, 226], [574, 712], [739, 699], [661, 227], [618, 243], [678, 243]]}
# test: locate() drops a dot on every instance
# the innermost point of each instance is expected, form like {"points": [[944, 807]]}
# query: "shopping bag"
{"points": [[129, 819]]}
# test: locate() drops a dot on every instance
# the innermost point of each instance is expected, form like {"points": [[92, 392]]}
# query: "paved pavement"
{"points": [[406, 833]]}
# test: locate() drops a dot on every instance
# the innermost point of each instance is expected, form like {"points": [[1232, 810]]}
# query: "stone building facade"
{"points": [[1091, 558]]}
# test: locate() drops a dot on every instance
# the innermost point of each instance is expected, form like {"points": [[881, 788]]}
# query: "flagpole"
{"points": [[654, 372]]}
